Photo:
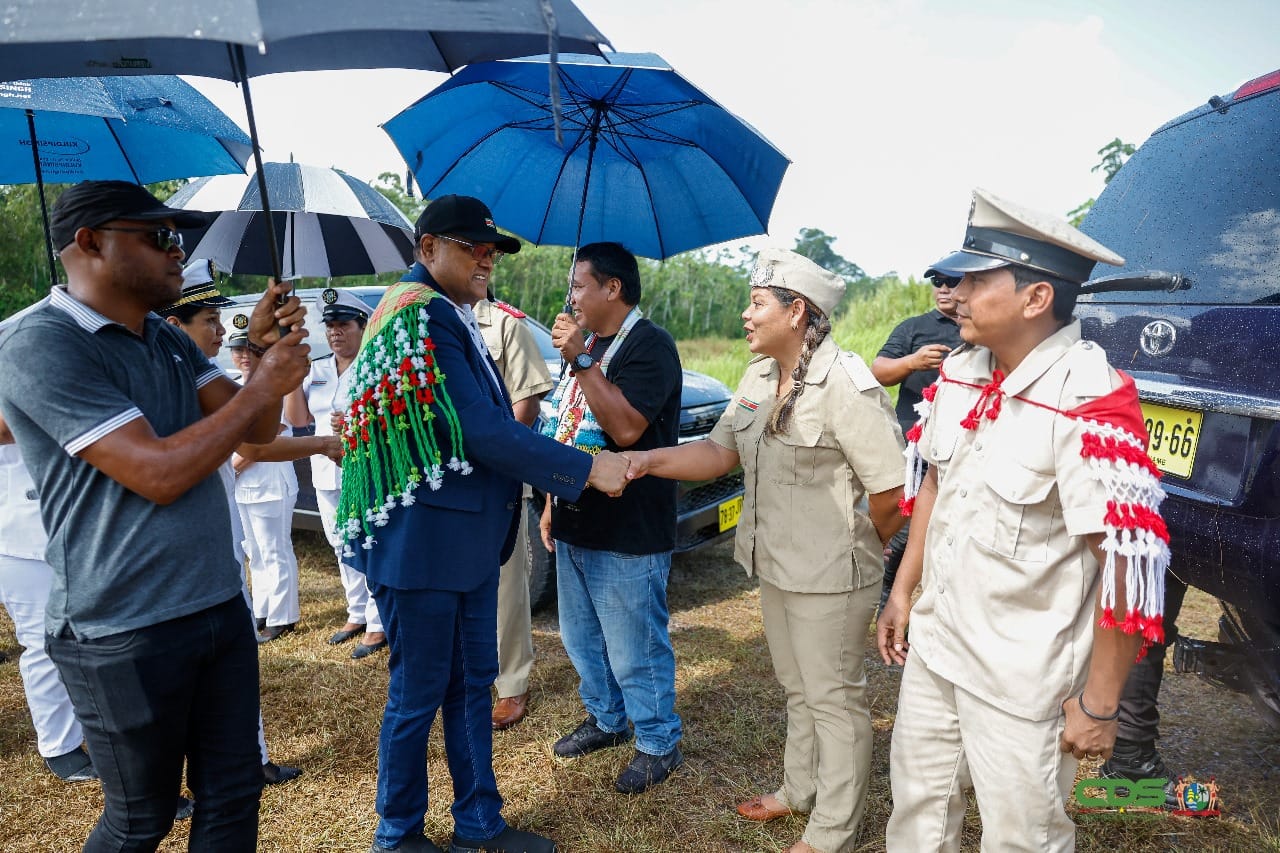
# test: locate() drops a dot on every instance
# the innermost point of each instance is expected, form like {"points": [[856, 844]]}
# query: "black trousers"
{"points": [[1139, 701], [148, 699]]}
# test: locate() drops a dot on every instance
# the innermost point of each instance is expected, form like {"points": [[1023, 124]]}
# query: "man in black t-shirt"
{"points": [[910, 359], [613, 555]]}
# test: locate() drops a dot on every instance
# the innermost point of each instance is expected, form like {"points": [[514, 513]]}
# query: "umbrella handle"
{"points": [[272, 247]]}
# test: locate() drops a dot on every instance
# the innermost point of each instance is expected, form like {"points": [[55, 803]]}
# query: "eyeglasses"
{"points": [[478, 252], [166, 238], [939, 283]]}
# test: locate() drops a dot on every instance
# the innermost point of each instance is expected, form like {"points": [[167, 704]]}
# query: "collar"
{"points": [[1046, 354], [943, 318], [819, 365], [85, 317], [92, 322]]}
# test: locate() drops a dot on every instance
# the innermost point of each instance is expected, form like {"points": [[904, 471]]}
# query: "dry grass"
{"points": [[323, 710]]}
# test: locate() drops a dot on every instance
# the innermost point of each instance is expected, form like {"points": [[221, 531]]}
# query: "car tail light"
{"points": [[1258, 84]]}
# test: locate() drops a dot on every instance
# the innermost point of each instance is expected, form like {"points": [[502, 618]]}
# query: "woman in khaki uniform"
{"points": [[815, 434]]}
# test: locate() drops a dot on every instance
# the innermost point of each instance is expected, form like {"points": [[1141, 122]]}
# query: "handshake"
{"points": [[610, 471]]}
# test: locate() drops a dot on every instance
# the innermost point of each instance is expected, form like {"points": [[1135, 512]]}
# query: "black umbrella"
{"points": [[72, 38]]}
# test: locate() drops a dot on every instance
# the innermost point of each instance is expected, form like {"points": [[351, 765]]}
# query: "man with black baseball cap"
{"points": [[125, 422], [433, 521]]}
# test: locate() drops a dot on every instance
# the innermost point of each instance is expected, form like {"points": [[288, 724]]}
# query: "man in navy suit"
{"points": [[431, 491]]}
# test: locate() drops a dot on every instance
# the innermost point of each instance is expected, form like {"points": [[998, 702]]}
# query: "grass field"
{"points": [[323, 711]]}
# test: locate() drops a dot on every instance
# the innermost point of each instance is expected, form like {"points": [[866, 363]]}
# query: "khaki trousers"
{"points": [[945, 736], [515, 628], [817, 642]]}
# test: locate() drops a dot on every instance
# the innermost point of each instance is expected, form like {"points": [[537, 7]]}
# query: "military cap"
{"points": [[787, 269], [198, 288], [341, 306], [1001, 233], [238, 339]]}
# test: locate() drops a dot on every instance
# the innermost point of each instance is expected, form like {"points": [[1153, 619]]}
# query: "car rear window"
{"points": [[1201, 198]]}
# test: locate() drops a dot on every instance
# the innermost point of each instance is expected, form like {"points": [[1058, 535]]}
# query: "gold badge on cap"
{"points": [[329, 296], [761, 275], [240, 321]]}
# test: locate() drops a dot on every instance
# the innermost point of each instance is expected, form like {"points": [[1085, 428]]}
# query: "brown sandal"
{"points": [[755, 809]]}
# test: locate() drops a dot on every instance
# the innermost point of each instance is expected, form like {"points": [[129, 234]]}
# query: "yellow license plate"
{"points": [[1172, 437], [729, 513]]}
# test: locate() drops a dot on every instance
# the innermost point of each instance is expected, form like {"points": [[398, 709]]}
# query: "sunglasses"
{"points": [[945, 282], [166, 238], [478, 252]]}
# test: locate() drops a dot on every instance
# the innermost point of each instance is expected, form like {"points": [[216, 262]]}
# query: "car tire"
{"points": [[542, 563]]}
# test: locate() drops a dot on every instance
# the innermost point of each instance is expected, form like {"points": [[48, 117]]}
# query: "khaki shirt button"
{"points": [[964, 493], [977, 445], [950, 539]]}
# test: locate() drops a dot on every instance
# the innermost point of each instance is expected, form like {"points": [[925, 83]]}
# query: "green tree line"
{"points": [[696, 294]]}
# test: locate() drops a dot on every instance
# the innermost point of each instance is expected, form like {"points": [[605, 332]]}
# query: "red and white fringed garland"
{"points": [[1114, 447], [1134, 528], [915, 463]]}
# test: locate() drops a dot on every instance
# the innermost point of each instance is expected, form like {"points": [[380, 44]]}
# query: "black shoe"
{"points": [[363, 650], [1135, 760], [341, 636], [184, 808], [73, 766], [647, 770], [274, 774], [260, 624], [275, 632], [587, 738], [508, 841], [411, 844]]}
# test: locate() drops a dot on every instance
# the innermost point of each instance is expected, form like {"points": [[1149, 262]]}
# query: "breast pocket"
{"points": [[1020, 519], [797, 455]]}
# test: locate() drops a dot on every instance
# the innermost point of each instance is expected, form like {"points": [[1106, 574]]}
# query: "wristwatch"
{"points": [[583, 361]]}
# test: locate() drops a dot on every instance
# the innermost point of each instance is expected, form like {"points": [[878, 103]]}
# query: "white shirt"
{"points": [[21, 530], [326, 391]]}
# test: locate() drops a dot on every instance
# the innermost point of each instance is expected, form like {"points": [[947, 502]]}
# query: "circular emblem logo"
{"points": [[1157, 338], [329, 296], [240, 321], [1196, 797], [761, 275]]}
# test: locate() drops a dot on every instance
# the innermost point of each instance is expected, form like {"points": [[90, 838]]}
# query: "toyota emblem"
{"points": [[1157, 337]]}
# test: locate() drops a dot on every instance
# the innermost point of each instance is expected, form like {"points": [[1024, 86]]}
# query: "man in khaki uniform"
{"points": [[1012, 676], [524, 372]]}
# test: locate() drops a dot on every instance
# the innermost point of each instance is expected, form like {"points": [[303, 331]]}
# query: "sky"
{"points": [[891, 111]]}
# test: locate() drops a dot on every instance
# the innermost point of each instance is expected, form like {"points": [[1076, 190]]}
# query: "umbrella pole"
{"points": [[272, 247], [582, 207], [44, 209]]}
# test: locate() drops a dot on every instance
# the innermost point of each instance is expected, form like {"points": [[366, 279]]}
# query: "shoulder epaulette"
{"points": [[510, 309], [862, 377]]}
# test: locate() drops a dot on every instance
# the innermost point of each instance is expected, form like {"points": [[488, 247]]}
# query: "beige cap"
{"points": [[784, 268], [1001, 233]]}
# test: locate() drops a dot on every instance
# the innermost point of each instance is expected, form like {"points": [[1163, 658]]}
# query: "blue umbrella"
{"points": [[648, 159], [51, 38], [141, 129]]}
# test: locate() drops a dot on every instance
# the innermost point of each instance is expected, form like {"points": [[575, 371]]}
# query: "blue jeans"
{"points": [[147, 699], [444, 656], [613, 623]]}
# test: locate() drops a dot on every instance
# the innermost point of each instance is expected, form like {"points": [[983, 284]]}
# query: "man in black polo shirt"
{"points": [[613, 556], [123, 423], [910, 359]]}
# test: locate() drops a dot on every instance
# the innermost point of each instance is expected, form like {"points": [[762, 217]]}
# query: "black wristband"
{"points": [[1093, 716], [256, 349]]}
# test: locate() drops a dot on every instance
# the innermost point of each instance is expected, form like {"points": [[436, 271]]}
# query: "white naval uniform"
{"points": [[326, 391], [266, 493], [25, 579], [228, 476]]}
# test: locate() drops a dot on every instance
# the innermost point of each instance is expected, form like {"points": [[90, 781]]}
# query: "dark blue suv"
{"points": [[1196, 214]]}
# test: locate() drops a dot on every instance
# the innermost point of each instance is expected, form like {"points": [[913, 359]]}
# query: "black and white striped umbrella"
{"points": [[327, 223]]}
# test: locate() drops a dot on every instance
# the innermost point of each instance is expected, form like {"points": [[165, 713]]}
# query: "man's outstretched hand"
{"points": [[608, 473]]}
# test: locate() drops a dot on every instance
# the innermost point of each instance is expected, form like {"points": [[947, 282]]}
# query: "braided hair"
{"points": [[817, 327]]}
